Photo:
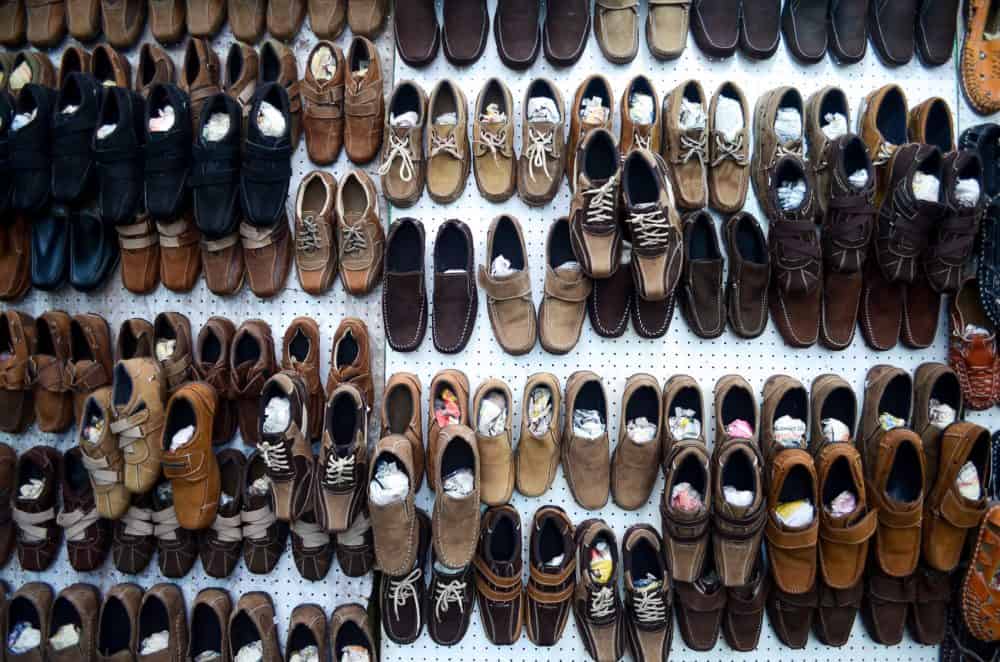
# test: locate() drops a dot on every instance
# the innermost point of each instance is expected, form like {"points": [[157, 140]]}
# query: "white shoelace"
{"points": [[650, 229], [781, 150], [444, 145], [493, 141], [352, 238], [311, 534], [308, 236], [138, 521], [693, 148], [453, 591], [275, 455], [729, 149], [399, 148], [602, 202], [76, 522], [339, 470], [640, 138], [885, 152], [649, 607], [405, 589], [539, 149], [602, 604]]}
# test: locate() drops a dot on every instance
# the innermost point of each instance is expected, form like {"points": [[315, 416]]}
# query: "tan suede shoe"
{"points": [[494, 160], [636, 459], [585, 459], [564, 301], [102, 457], [667, 28], [137, 401], [538, 446], [364, 104], [367, 17], [395, 525], [327, 17], [508, 296], [315, 241], [455, 520], [728, 155], [449, 387], [404, 165], [83, 19], [448, 158], [361, 239], [685, 148], [493, 436], [401, 417], [191, 465]]}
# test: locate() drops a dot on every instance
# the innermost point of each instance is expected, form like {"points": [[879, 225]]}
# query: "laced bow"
{"points": [[729, 149], [444, 144], [601, 210], [495, 141], [540, 148], [447, 593], [602, 603], [399, 148], [405, 589], [693, 148], [308, 235]]}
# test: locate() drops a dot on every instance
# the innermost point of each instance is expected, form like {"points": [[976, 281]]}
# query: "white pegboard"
{"points": [[680, 351]]}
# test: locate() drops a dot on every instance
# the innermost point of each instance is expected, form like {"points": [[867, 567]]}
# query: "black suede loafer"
{"points": [[168, 151], [118, 152], [30, 153], [267, 163], [73, 124], [215, 173]]}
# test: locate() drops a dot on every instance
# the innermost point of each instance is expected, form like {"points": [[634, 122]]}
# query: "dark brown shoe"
{"points": [[648, 621], [300, 353], [452, 594], [76, 607], [46, 23], [402, 598], [791, 615], [760, 29], [745, 610], [836, 612], [404, 290], [155, 66], [848, 33], [200, 76], [176, 547], [90, 361], [32, 605], [278, 65], [83, 19], [123, 22], [205, 17], [166, 20], [132, 543], [567, 27], [209, 620], [47, 371], [749, 276], [701, 293], [456, 294], [804, 26], [173, 348], [929, 612], [264, 537], [356, 547], [715, 27], [342, 468], [517, 32], [251, 361], [211, 364], [8, 480], [267, 253], [597, 606], [700, 606], [17, 335], [417, 32], [350, 359], [253, 622], [891, 26], [118, 623], [466, 28], [312, 545], [88, 536], [287, 453], [220, 545], [935, 31], [15, 258], [887, 601], [499, 587], [611, 303], [14, 23], [36, 507], [551, 579]]}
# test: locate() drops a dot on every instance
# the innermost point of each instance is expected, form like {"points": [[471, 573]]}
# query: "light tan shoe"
{"points": [[508, 298], [538, 445], [635, 462], [457, 384], [401, 416], [564, 302], [496, 450], [493, 142], [448, 159], [586, 462]]}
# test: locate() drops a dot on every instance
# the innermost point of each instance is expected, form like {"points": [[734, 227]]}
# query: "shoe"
{"points": [[401, 417], [14, 21], [88, 537], [748, 277], [455, 518], [737, 463], [211, 365], [448, 405], [132, 543], [891, 27], [8, 479], [403, 182], [367, 17], [404, 290], [507, 285], [784, 399], [349, 627], [119, 156], [885, 611], [715, 27], [315, 242], [975, 587], [894, 469], [597, 605], [118, 622], [300, 354], [102, 456], [882, 124], [702, 296], [173, 349], [978, 59], [804, 25], [408, 592], [586, 462], [209, 619], [760, 29], [109, 67], [247, 21], [667, 28], [240, 76], [307, 632], [73, 122], [285, 17], [83, 19], [17, 410], [361, 239], [465, 30], [493, 425], [155, 67], [74, 609], [929, 613], [770, 146], [564, 300], [134, 339], [648, 588], [847, 37], [266, 169], [93, 253], [931, 123], [267, 254], [30, 148], [791, 615], [594, 231], [616, 28], [951, 246], [36, 506], [517, 32], [729, 150], [327, 19], [200, 79], [38, 69], [551, 575], [166, 20], [47, 370], [937, 382], [283, 442], [364, 104], [640, 133], [251, 362], [543, 146], [323, 94], [350, 359], [700, 606], [137, 411], [493, 159], [498, 564], [636, 458], [15, 258], [122, 22], [741, 624], [162, 610], [312, 545], [791, 549], [593, 108], [191, 466], [612, 301], [205, 18], [253, 627], [826, 109], [356, 547], [176, 547], [264, 536], [29, 608], [169, 153], [277, 65], [685, 143], [342, 467], [456, 296], [220, 545], [180, 253], [448, 158], [972, 351], [836, 612], [567, 23]]}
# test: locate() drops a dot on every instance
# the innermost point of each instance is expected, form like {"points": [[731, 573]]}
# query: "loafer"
{"points": [[495, 447], [564, 35], [180, 252], [456, 296], [564, 299], [715, 27], [367, 17], [251, 362], [517, 32], [211, 364], [635, 462], [76, 607], [205, 18], [15, 258], [209, 620], [162, 610], [119, 156], [744, 615], [508, 292], [168, 152], [700, 606], [93, 251], [30, 149], [701, 291], [38, 534], [465, 30], [349, 626], [166, 20], [39, 71], [404, 293], [266, 167], [847, 32], [612, 302], [748, 277], [586, 461], [760, 26], [74, 170], [791, 615], [50, 239], [118, 622], [14, 22], [929, 613], [123, 21], [417, 32], [284, 19], [306, 632], [836, 612], [804, 25], [891, 26], [616, 27], [253, 625], [941, 383], [46, 24], [134, 339], [247, 21], [327, 19], [31, 604]]}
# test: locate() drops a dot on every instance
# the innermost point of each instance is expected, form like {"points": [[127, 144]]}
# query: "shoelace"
{"points": [[352, 239], [649, 607], [339, 471], [275, 455], [693, 148], [165, 523], [257, 522], [405, 589], [794, 148], [76, 522], [885, 152], [601, 210], [399, 148], [493, 141], [602, 603], [138, 521], [311, 534], [640, 136], [444, 145], [308, 235], [729, 149], [453, 591], [28, 524], [539, 149], [650, 229]]}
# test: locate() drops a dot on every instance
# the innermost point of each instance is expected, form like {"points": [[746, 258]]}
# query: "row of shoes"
{"points": [[127, 622], [122, 23], [719, 27]]}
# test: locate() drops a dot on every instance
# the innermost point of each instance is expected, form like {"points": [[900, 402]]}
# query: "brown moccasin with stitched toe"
{"points": [[323, 100], [586, 460], [538, 447], [166, 20], [701, 295], [456, 297], [748, 276]]}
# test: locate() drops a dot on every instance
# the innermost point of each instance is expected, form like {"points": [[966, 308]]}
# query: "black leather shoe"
{"points": [[72, 135], [168, 153], [30, 153], [50, 248], [6, 116], [119, 155], [215, 172], [93, 251], [984, 139], [267, 165]]}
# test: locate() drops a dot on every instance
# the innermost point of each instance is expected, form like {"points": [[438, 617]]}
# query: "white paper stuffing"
{"points": [[446, 119], [791, 194], [165, 349], [788, 124], [735, 497], [843, 504], [926, 187], [407, 120], [835, 430], [23, 637], [270, 121], [790, 432], [967, 482], [967, 192], [973, 330], [500, 267], [542, 109], [728, 117], [181, 437], [155, 643], [389, 484], [795, 514], [224, 498], [492, 114], [641, 108], [940, 414], [459, 483], [858, 178], [164, 120], [683, 424], [354, 654], [216, 127], [587, 423], [834, 125], [570, 266], [32, 489], [93, 430], [277, 414], [67, 635], [208, 656], [22, 120], [539, 410], [260, 486], [684, 497], [640, 430], [105, 130], [593, 111], [20, 77], [492, 417], [691, 115], [307, 654], [323, 64], [69, 109], [252, 652]]}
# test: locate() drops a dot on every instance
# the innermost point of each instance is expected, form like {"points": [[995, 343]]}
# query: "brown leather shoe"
{"points": [[176, 547], [327, 19], [937, 382], [133, 543], [456, 297], [791, 615], [597, 606], [401, 416], [929, 616], [46, 23], [323, 97], [154, 66], [585, 460], [364, 104], [264, 537], [246, 20], [38, 69], [700, 606], [77, 607], [90, 361], [47, 371], [200, 75], [307, 629], [205, 17], [88, 535], [342, 465], [166, 20], [978, 58], [744, 615], [685, 148], [162, 610], [267, 253], [211, 365], [239, 77], [251, 361], [180, 253], [367, 17], [123, 21], [769, 146], [639, 133], [315, 241], [83, 19], [702, 296], [118, 623], [408, 593], [636, 459], [395, 524], [537, 453], [748, 277], [139, 246], [791, 549], [31, 604], [404, 289], [15, 258], [508, 296], [543, 145], [350, 359], [8, 480], [361, 239], [300, 353], [498, 563], [17, 335], [448, 405], [36, 506], [416, 31], [102, 457], [278, 65], [209, 619], [551, 578], [221, 544], [190, 465], [448, 156], [493, 158], [648, 625], [496, 449], [825, 103], [14, 22], [598, 113], [284, 18], [882, 121], [173, 349], [253, 622], [836, 612], [349, 626], [283, 444]]}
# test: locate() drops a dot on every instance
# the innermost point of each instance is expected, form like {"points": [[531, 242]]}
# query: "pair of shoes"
{"points": [[897, 29], [719, 28], [520, 35], [418, 34]]}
